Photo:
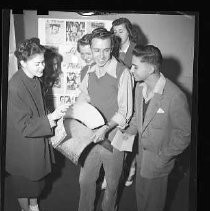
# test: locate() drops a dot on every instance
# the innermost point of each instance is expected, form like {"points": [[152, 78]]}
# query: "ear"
{"points": [[23, 64], [152, 69]]}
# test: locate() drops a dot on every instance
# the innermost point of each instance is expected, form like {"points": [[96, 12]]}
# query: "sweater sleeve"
{"points": [[125, 101]]}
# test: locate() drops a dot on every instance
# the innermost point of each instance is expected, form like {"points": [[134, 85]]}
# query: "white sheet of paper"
{"points": [[123, 142], [60, 133], [87, 114], [73, 147]]}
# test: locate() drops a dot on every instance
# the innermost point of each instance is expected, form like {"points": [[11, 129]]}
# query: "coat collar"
{"points": [[110, 69]]}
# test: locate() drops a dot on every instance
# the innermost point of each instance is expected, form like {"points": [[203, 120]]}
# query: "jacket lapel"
{"points": [[152, 109], [128, 55]]}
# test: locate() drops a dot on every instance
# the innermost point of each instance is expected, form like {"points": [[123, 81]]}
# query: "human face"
{"points": [[121, 32], [34, 66], [101, 50], [55, 29], [86, 54], [141, 70], [74, 28]]}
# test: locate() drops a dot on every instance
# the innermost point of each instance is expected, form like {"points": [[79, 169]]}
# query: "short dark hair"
{"points": [[149, 54], [85, 40], [103, 33], [100, 32], [127, 24], [28, 48]]}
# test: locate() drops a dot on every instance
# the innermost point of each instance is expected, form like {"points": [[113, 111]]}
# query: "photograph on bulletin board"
{"points": [[74, 30], [55, 31]]}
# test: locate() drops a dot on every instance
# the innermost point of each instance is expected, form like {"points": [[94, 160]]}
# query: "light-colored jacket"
{"points": [[165, 132]]}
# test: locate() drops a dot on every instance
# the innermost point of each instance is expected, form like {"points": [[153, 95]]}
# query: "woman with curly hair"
{"points": [[28, 153]]}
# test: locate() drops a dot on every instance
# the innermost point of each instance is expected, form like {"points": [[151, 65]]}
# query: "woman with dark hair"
{"points": [[122, 28], [52, 68], [28, 152], [51, 75]]}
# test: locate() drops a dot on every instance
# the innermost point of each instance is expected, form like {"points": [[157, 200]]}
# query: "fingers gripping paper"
{"points": [[71, 136]]}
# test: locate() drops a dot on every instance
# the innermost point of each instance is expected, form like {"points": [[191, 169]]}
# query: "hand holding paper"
{"points": [[60, 133], [99, 134], [87, 114]]}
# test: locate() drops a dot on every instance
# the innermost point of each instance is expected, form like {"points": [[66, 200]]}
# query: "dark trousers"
{"points": [[112, 163], [150, 193]]}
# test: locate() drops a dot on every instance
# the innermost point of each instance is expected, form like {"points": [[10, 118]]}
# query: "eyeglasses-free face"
{"points": [[101, 50]]}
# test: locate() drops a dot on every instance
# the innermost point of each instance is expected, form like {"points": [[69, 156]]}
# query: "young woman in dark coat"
{"points": [[28, 152]]}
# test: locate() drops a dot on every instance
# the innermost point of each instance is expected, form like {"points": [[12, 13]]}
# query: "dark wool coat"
{"points": [[28, 152]]}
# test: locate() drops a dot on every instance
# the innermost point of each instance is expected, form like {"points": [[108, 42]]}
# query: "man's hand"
{"points": [[99, 134]]}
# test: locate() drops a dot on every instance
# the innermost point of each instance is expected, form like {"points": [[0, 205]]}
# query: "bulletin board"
{"points": [[63, 35]]}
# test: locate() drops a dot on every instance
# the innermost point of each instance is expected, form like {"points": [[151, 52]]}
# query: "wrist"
{"points": [[107, 126], [51, 120]]}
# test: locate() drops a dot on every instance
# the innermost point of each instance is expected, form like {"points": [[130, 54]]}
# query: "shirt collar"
{"points": [[125, 48], [109, 69], [159, 87]]}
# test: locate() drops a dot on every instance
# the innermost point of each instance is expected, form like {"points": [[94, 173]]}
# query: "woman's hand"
{"points": [[99, 134], [60, 111]]}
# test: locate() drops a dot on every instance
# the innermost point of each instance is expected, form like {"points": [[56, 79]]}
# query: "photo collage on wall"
{"points": [[63, 35]]}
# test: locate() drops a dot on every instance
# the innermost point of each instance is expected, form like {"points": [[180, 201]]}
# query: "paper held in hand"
{"points": [[60, 134], [87, 114], [73, 136], [123, 142], [78, 138]]}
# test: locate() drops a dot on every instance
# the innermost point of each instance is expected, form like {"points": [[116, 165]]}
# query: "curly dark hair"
{"points": [[28, 48]]}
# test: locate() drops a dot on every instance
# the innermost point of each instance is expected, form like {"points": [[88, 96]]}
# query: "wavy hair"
{"points": [[28, 48], [128, 26], [103, 33]]}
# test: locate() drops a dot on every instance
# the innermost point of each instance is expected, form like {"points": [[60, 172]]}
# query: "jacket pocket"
{"points": [[159, 121]]}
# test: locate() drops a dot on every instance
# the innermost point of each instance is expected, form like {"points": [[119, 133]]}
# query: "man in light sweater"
{"points": [[108, 87]]}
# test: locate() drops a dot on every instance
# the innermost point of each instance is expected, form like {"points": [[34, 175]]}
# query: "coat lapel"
{"points": [[128, 55], [152, 109]]}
